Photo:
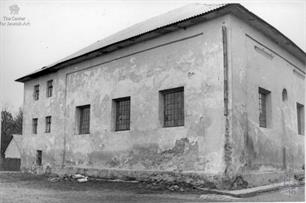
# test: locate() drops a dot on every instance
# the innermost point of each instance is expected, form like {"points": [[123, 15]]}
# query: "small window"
{"points": [[36, 92], [122, 120], [39, 157], [48, 124], [83, 119], [172, 107], [284, 95], [34, 125], [300, 118], [263, 107], [49, 88]]}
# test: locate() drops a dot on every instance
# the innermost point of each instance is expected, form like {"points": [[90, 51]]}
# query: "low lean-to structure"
{"points": [[207, 94]]}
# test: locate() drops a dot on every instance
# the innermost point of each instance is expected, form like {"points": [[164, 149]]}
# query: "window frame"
{"points": [[263, 107], [48, 121], [49, 91], [39, 157], [34, 125], [300, 110], [284, 95], [36, 92], [122, 109], [176, 112], [81, 119]]}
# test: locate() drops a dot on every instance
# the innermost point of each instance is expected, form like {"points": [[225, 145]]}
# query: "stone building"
{"points": [[208, 90]]}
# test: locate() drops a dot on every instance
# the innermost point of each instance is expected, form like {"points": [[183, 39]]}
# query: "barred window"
{"points": [[123, 109], [263, 105], [84, 119], [34, 125], [300, 118], [173, 107], [39, 157], [36, 92], [49, 88], [48, 124]]}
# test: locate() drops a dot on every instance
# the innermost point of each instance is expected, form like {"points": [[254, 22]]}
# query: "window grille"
{"points": [[123, 113], [84, 119], [173, 107], [49, 88]]}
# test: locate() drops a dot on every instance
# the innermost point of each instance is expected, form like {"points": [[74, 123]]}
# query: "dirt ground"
{"points": [[27, 188]]}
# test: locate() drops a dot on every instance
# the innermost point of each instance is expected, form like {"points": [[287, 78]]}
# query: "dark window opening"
{"points": [[49, 88], [284, 95], [263, 107], [123, 108], [84, 119], [173, 107], [36, 92], [34, 125], [300, 118], [48, 124], [39, 157]]}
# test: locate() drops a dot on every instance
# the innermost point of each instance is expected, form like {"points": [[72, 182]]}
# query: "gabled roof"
{"points": [[168, 22], [14, 147]]}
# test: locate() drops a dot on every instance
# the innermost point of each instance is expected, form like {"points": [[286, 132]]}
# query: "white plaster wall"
{"points": [[138, 71], [255, 147]]}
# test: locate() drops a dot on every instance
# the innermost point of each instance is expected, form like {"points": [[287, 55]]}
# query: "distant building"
{"points": [[210, 90], [13, 150], [12, 154]]}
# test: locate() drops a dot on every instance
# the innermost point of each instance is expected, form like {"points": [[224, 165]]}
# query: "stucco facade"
{"points": [[259, 62], [219, 137]]}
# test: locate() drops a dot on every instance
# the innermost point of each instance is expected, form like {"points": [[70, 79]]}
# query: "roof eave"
{"points": [[234, 9], [132, 40], [275, 35]]}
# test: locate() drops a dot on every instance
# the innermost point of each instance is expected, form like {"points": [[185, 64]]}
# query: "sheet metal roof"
{"points": [[168, 18], [182, 14]]}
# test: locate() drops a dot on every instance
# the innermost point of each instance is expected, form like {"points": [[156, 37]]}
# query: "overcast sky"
{"points": [[58, 28]]}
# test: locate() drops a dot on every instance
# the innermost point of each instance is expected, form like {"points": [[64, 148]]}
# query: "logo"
{"points": [[14, 9], [14, 19]]}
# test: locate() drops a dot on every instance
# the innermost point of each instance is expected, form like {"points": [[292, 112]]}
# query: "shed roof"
{"points": [[168, 22]]}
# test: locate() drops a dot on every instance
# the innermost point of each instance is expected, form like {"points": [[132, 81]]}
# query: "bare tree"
{"points": [[18, 122]]}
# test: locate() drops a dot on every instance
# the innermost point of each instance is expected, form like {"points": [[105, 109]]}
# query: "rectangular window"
{"points": [[36, 92], [48, 124], [34, 125], [84, 119], [123, 108], [49, 88], [39, 157], [300, 118], [173, 107], [263, 96]]}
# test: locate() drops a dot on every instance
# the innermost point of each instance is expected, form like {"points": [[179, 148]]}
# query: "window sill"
{"points": [[85, 134], [179, 126], [122, 130]]}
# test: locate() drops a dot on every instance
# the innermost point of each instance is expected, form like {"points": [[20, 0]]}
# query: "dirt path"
{"points": [[27, 188]]}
